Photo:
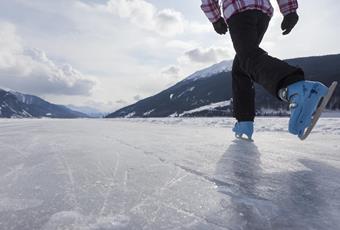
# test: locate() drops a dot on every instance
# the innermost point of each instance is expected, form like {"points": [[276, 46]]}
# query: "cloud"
{"points": [[137, 97], [32, 71], [121, 101], [166, 22], [172, 71], [169, 22], [198, 27], [9, 45], [180, 45], [210, 55]]}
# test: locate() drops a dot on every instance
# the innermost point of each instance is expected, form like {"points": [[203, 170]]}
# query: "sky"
{"points": [[107, 54]]}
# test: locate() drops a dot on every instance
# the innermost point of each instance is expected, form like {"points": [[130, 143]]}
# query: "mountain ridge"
{"points": [[194, 92], [14, 104]]}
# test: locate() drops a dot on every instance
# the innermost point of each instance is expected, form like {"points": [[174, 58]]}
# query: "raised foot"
{"points": [[321, 107]]}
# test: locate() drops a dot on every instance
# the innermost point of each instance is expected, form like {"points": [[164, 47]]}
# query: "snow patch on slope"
{"points": [[148, 112], [211, 106], [26, 99], [130, 115], [185, 91]]}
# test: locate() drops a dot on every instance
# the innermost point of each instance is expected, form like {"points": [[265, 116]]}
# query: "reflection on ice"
{"points": [[287, 200]]}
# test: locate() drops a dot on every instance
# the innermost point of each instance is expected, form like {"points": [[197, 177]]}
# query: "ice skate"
{"points": [[307, 100], [244, 130]]}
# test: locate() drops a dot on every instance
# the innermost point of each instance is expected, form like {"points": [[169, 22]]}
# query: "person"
{"points": [[247, 22]]}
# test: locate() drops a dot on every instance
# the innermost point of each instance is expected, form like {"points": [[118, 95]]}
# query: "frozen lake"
{"points": [[167, 174]]}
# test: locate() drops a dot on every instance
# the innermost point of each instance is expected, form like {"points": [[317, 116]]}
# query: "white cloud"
{"points": [[137, 97], [9, 46], [196, 27], [181, 45], [209, 55], [30, 70], [166, 22], [121, 101], [172, 71], [169, 22]]}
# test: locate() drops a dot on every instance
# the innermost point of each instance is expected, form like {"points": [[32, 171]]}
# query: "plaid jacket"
{"points": [[212, 8]]}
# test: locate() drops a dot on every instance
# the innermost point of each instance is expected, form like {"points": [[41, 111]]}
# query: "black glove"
{"points": [[220, 26], [288, 23]]}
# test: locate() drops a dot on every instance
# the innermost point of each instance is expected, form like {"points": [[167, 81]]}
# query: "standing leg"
{"points": [[242, 84], [243, 94]]}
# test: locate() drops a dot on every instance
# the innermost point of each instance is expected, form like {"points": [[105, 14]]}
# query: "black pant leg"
{"points": [[268, 71], [243, 93], [242, 85]]}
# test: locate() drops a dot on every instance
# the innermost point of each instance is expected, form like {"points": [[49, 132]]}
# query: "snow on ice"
{"points": [[171, 173]]}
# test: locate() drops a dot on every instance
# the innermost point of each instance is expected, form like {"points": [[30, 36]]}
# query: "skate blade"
{"points": [[319, 110], [244, 138]]}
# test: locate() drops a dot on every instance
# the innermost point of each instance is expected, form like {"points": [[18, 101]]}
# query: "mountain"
{"points": [[198, 94], [17, 105], [91, 112], [223, 66]]}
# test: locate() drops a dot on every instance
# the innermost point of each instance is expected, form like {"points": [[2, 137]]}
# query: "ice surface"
{"points": [[172, 173]]}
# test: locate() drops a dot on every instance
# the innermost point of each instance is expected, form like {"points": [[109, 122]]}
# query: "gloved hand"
{"points": [[220, 26], [288, 23]]}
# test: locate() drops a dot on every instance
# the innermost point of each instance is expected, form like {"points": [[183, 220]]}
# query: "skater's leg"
{"points": [[243, 94], [271, 73], [243, 85]]}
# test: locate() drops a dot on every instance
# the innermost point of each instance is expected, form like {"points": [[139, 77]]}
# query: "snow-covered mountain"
{"points": [[17, 105], [194, 95], [221, 67]]}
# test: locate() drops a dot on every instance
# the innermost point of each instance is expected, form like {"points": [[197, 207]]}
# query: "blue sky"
{"points": [[110, 53]]}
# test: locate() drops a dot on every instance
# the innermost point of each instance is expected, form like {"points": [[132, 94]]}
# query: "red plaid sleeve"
{"points": [[212, 10], [287, 6]]}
